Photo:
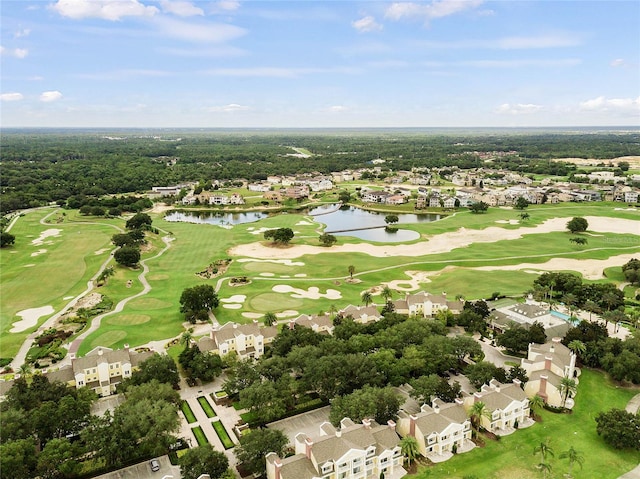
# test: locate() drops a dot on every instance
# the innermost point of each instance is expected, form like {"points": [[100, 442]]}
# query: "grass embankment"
{"points": [[223, 434], [206, 407], [512, 457]]}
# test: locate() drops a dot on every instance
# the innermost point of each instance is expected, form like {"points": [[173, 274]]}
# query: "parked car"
{"points": [[155, 465]]}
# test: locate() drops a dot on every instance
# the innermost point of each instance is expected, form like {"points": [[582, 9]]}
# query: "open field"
{"points": [[463, 254], [512, 457]]}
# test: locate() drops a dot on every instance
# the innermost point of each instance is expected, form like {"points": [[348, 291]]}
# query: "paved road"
{"points": [[633, 406], [495, 355]]}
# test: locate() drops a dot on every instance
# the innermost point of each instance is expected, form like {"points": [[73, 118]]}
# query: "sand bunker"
{"points": [[508, 222], [304, 223], [232, 306], [101, 251], [30, 318], [311, 293], [44, 235], [252, 315], [268, 275], [30, 265], [300, 275], [258, 231], [287, 313], [286, 262], [442, 243], [236, 298], [588, 268], [39, 252], [417, 277]]}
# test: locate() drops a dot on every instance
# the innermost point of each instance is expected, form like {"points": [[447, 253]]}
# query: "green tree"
{"points": [[578, 240], [159, 367], [264, 400], [18, 459], [568, 388], [381, 404], [574, 457], [279, 236], [270, 319], [620, 429], [515, 339], [536, 403], [521, 203], [327, 239], [577, 225], [479, 207], [366, 298], [524, 216], [6, 239], [105, 275], [197, 301], [391, 219], [256, 445], [386, 293], [483, 372], [203, 460], [545, 467], [127, 256], [344, 196], [631, 271], [478, 411], [139, 221], [409, 448], [544, 449], [577, 346], [351, 269], [59, 459]]}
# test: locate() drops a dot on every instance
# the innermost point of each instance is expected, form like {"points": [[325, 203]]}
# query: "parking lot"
{"points": [[143, 471]]}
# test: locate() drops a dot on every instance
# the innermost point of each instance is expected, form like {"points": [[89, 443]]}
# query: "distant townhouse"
{"points": [[426, 304], [449, 202], [296, 192], [168, 190], [318, 323], [259, 187], [546, 365], [434, 201], [246, 340], [361, 314], [525, 314], [101, 369], [395, 200], [352, 451], [373, 196], [441, 429], [221, 199], [507, 404], [421, 201], [630, 197]]}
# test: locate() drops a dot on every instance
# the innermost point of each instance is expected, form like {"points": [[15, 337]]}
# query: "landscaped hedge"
{"points": [[200, 437], [188, 413], [206, 407]]}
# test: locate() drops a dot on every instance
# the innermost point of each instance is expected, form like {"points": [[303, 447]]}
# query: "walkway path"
{"points": [[633, 406]]}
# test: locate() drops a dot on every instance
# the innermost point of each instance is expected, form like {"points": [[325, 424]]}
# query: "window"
{"points": [[356, 470], [327, 468], [384, 460]]}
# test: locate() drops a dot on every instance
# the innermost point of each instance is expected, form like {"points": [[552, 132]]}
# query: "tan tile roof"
{"points": [[93, 358], [64, 375], [297, 467]]}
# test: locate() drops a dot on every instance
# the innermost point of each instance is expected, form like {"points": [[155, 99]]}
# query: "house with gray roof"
{"points": [[527, 313], [440, 429], [351, 451], [426, 304], [247, 340], [361, 314], [320, 323]]}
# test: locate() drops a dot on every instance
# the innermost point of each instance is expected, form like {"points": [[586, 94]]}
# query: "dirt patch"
{"points": [[89, 301]]}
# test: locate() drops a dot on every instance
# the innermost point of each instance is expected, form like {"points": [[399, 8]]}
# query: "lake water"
{"points": [[345, 218]]}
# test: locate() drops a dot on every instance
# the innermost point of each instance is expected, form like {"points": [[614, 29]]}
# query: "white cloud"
{"points": [[434, 9], [230, 108], [105, 9], [366, 24], [336, 109], [227, 5], [11, 96], [49, 96], [518, 108], [202, 32], [611, 104], [180, 8], [618, 62], [14, 52], [22, 33]]}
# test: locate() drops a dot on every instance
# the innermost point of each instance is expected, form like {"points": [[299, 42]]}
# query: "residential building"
{"points": [[525, 314], [441, 429], [246, 340], [361, 314], [546, 365], [630, 196], [507, 405], [318, 323], [426, 304], [352, 451], [374, 196]]}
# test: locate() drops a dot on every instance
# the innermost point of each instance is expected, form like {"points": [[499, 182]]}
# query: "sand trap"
{"points": [[301, 275], [311, 293], [442, 243], [30, 318], [67, 297], [286, 262], [417, 277], [236, 298], [268, 275], [232, 306], [287, 313], [508, 222], [304, 223], [30, 265], [588, 268], [259, 231], [39, 252], [252, 315], [101, 251], [44, 235]]}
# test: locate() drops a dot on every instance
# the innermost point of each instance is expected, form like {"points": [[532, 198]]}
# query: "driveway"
{"points": [[495, 355], [143, 471]]}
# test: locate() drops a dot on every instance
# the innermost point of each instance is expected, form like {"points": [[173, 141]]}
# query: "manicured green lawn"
{"points": [[200, 437], [223, 434], [512, 457], [188, 413], [206, 407]]}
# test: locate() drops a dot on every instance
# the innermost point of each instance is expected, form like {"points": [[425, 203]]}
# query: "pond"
{"points": [[366, 225]]}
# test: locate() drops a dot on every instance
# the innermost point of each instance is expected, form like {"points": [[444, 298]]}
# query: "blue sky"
{"points": [[442, 63]]}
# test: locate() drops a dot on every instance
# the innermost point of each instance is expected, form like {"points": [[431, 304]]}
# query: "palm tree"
{"points": [[270, 319], [409, 448], [545, 468], [535, 403], [477, 412], [351, 269], [386, 293], [544, 449], [524, 216], [366, 298], [104, 276], [577, 346], [333, 310], [186, 338], [24, 370], [574, 457], [570, 300], [568, 388], [592, 307]]}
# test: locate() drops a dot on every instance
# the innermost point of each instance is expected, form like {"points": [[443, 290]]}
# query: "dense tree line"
{"points": [[42, 167]]}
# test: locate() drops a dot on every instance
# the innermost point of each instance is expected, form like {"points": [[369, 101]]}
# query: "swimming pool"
{"points": [[564, 317]]}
